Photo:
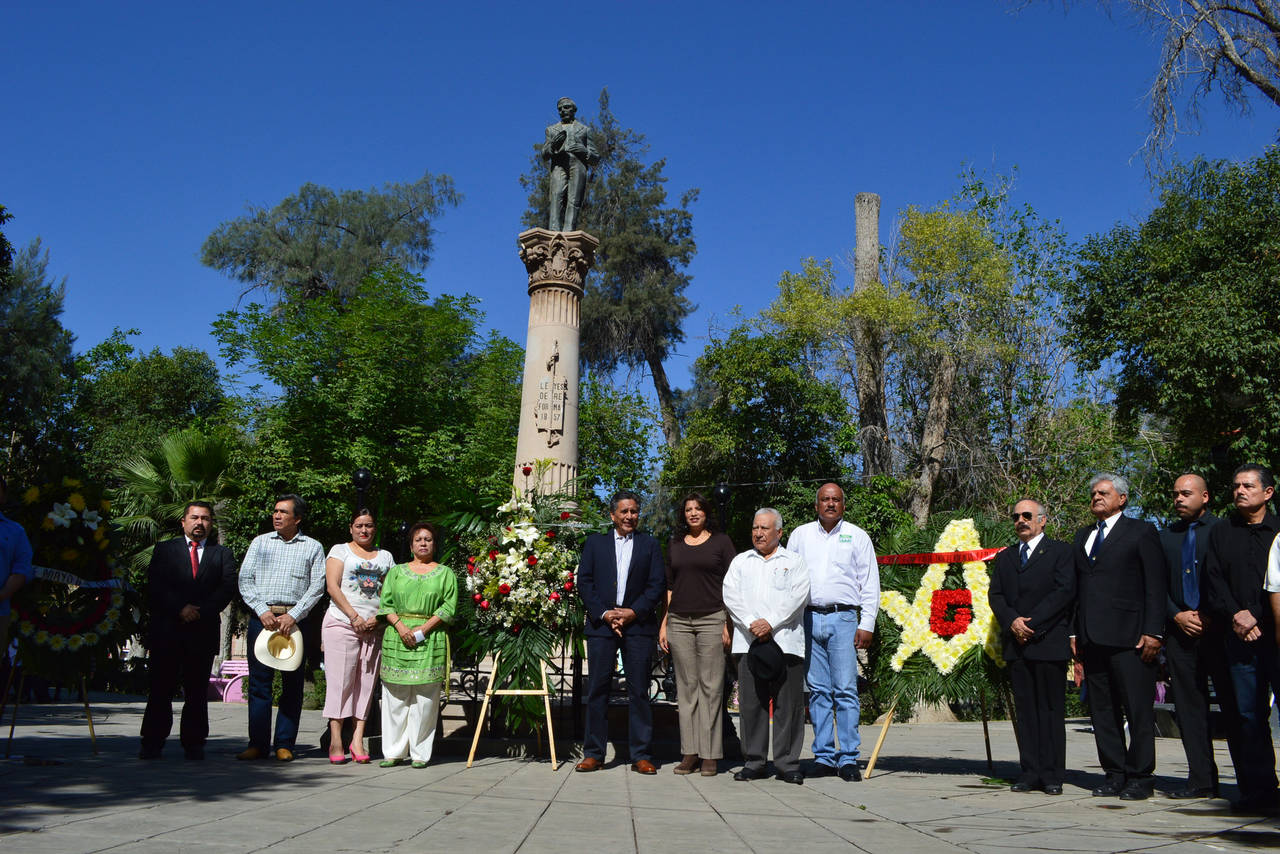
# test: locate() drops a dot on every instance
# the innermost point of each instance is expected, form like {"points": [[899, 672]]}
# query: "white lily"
{"points": [[62, 514]]}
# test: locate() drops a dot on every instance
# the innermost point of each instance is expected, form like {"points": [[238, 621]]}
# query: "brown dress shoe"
{"points": [[710, 767], [284, 754], [687, 765], [588, 764], [644, 766], [252, 753]]}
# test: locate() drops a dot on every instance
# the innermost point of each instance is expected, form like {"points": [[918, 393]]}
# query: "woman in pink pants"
{"points": [[354, 573]]}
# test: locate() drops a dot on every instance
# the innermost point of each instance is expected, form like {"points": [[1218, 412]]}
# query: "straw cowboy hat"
{"points": [[279, 651]]}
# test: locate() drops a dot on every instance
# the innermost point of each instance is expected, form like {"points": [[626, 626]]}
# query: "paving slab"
{"points": [[932, 791]]}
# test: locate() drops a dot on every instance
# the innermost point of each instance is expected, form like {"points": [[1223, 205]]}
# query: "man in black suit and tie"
{"points": [[1236, 565], [1121, 586], [621, 581], [189, 582], [1193, 636], [1033, 589]]}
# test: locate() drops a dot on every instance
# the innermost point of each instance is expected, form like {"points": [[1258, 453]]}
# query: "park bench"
{"points": [[228, 685]]}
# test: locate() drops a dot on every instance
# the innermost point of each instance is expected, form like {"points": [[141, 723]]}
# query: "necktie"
{"points": [[195, 558], [1097, 540], [1024, 554], [1190, 578]]}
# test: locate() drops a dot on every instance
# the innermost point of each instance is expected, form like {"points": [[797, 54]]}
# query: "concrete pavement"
{"points": [[931, 792]]}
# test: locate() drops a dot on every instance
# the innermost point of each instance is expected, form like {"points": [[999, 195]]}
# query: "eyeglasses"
{"points": [[1025, 515]]}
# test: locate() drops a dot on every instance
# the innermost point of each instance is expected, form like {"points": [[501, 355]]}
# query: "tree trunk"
{"points": [[869, 345], [666, 400], [932, 438], [225, 619]]}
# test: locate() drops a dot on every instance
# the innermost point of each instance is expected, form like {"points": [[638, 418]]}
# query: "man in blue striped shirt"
{"points": [[281, 580]]}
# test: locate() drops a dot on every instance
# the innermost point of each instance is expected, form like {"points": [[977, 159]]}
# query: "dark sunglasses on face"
{"points": [[1026, 515]]}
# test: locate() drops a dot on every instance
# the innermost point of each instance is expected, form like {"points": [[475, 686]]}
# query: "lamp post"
{"points": [[721, 493], [361, 478]]}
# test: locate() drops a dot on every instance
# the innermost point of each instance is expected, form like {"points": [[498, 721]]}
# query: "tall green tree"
{"points": [[126, 400], [634, 307], [959, 279], [758, 419], [38, 364], [975, 369], [615, 437], [321, 241], [390, 379], [1184, 306]]}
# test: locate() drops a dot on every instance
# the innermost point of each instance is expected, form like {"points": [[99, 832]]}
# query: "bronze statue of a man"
{"points": [[569, 153]]}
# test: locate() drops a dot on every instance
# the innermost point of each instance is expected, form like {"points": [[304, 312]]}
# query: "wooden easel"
{"points": [[888, 719], [13, 721], [884, 730], [492, 691]]}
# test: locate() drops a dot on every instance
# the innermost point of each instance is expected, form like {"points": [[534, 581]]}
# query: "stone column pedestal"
{"points": [[557, 263]]}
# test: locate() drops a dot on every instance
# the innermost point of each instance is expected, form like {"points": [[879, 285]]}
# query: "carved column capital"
{"points": [[557, 257]]}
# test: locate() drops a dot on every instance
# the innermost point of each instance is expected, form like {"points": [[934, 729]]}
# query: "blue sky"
{"points": [[134, 129]]}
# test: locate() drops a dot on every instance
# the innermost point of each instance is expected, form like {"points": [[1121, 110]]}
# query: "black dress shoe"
{"points": [[1109, 789], [822, 769], [792, 777], [1135, 792], [750, 774], [1053, 788], [1022, 786], [195, 753], [850, 773], [149, 753], [1265, 805], [1187, 793]]}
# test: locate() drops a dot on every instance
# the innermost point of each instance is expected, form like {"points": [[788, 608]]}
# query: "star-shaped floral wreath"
{"points": [[945, 624]]}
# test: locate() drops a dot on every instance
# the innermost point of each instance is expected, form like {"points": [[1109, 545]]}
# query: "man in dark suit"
{"points": [[1121, 588], [621, 581], [1193, 636], [1033, 589], [1236, 565], [189, 582]]}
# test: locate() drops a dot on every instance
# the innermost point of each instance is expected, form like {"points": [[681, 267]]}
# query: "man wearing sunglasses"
{"points": [[1033, 589]]}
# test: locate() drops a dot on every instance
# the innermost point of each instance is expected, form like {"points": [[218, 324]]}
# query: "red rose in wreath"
{"points": [[950, 612]]}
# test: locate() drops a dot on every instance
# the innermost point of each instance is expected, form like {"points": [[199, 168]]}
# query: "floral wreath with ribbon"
{"points": [[944, 637], [76, 610]]}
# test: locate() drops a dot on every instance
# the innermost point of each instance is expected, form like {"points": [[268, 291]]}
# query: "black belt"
{"points": [[832, 609]]}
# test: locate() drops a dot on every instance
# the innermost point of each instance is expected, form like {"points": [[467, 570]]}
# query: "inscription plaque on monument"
{"points": [[553, 391]]}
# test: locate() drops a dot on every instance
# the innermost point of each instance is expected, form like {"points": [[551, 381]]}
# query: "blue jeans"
{"points": [[834, 709], [260, 678], [1250, 665]]}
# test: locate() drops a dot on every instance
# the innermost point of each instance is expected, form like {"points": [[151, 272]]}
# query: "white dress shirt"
{"points": [[775, 590], [1031, 545], [622, 547], [1107, 524], [1271, 583], [842, 567]]}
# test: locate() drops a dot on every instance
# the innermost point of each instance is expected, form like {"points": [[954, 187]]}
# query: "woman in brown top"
{"points": [[696, 632]]}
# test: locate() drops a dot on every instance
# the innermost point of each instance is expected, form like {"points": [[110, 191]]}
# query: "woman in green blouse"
{"points": [[419, 599]]}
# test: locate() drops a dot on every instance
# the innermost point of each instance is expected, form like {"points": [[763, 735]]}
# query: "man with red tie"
{"points": [[189, 582]]}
